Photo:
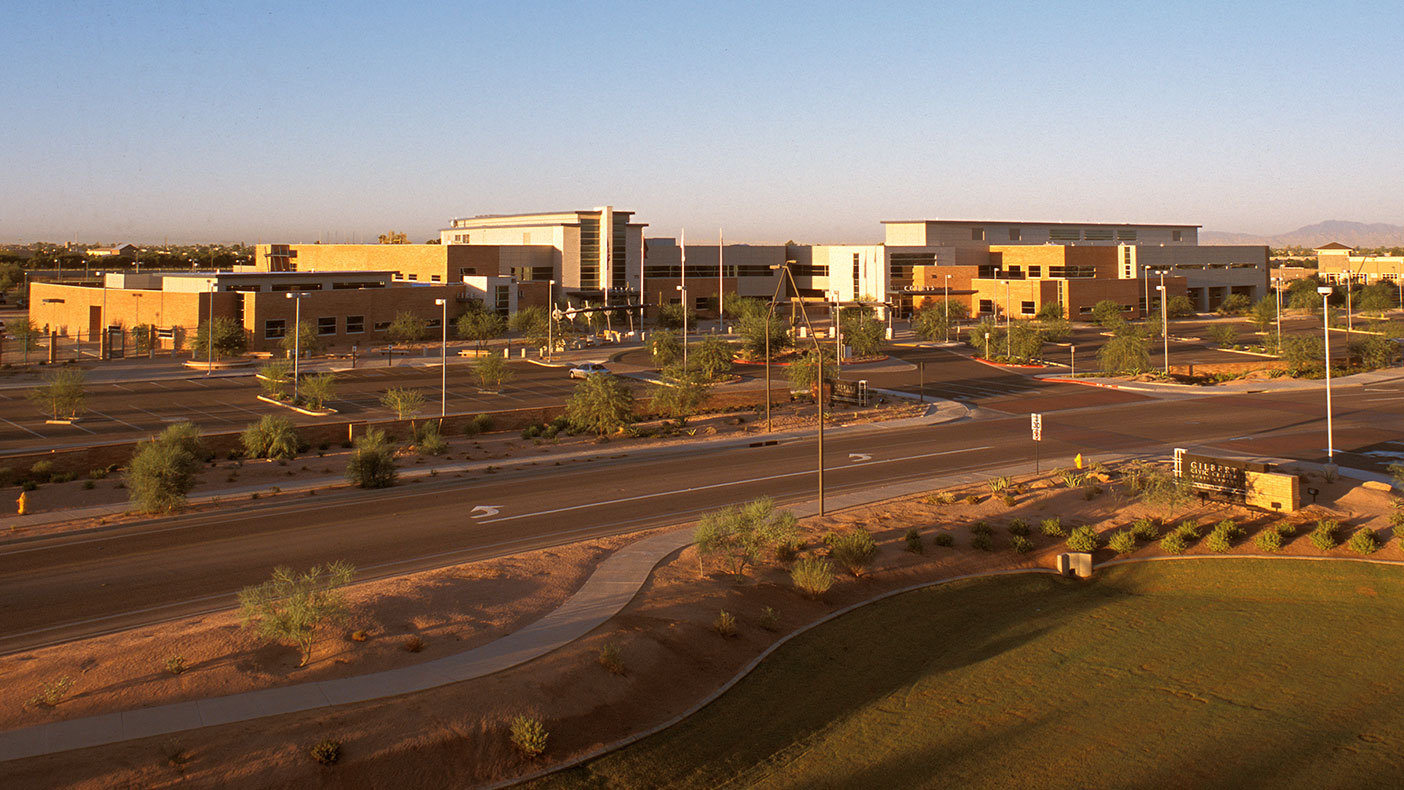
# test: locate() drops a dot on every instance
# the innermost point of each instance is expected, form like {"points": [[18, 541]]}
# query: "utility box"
{"points": [[1076, 563]]}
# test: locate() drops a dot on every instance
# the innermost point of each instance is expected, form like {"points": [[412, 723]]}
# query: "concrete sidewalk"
{"points": [[1384, 376]]}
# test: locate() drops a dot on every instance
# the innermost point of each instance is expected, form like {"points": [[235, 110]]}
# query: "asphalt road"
{"points": [[89, 583]]}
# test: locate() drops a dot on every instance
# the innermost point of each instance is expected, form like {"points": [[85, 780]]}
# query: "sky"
{"points": [[195, 121]]}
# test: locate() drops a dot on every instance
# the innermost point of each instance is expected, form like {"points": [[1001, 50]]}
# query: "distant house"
{"points": [[119, 251]]}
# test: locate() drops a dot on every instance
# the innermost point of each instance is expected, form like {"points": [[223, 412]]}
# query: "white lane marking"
{"points": [[717, 485], [487, 510], [114, 419], [22, 428], [858, 458]]}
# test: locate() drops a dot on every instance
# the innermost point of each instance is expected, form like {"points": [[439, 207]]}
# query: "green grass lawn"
{"points": [[1237, 673]]}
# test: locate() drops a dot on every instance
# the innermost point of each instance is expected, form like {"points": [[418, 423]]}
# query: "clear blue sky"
{"points": [[287, 121]]}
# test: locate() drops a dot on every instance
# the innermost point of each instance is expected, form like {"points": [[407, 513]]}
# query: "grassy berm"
{"points": [[1225, 673]]}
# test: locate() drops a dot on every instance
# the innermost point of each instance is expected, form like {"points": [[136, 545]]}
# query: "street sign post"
{"points": [[1036, 424]]}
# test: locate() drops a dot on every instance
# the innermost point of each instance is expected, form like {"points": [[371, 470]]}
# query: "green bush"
{"points": [[913, 539], [769, 619], [1145, 529], [51, 693], [271, 437], [1021, 544], [1287, 529], [41, 471], [1053, 527], [372, 463], [981, 528], [741, 535], [483, 423], [1324, 536], [162, 471], [1173, 543], [429, 441], [813, 576], [1364, 541], [1220, 541], [944, 539], [528, 735], [610, 658], [972, 499], [1084, 539], [1188, 531], [296, 607], [982, 542], [940, 498], [854, 551], [1269, 540], [1122, 542], [725, 624], [1019, 527]]}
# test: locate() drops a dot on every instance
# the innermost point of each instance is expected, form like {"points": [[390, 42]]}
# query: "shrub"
{"points": [[1144, 529], [769, 619], [1188, 530], [972, 499], [1122, 542], [944, 539], [1008, 499], [1220, 541], [610, 658], [813, 576], [163, 470], [483, 423], [740, 535], [52, 692], [1324, 536], [41, 471], [413, 644], [1364, 541], [175, 665], [998, 484], [981, 528], [982, 542], [1173, 543], [854, 551], [913, 539], [429, 440], [327, 751], [1286, 529], [725, 624], [372, 463], [600, 404], [1070, 478], [1090, 493], [941, 498], [528, 735], [1084, 539], [1053, 527], [295, 607], [1021, 544], [271, 437], [1269, 540], [1019, 527], [360, 635], [787, 550]]}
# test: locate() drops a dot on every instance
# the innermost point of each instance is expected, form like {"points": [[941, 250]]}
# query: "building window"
{"points": [[412, 277], [1014, 234], [502, 298], [1065, 234], [382, 326], [1035, 271], [977, 234], [274, 329], [986, 306], [355, 324], [433, 323], [466, 272], [435, 278], [1027, 308], [326, 325], [1175, 235]]}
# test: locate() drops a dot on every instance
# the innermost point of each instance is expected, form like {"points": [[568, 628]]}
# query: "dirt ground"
{"points": [[456, 735]]}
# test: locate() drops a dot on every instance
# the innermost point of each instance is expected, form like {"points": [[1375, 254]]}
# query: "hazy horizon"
{"points": [[813, 122]]}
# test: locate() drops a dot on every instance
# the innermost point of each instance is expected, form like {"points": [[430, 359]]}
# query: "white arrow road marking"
{"points": [[858, 458], [483, 511]]}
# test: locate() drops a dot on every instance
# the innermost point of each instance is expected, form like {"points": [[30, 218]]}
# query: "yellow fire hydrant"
{"points": [[23, 502]]}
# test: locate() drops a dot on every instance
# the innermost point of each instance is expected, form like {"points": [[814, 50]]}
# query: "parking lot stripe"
{"points": [[114, 419], [22, 428]]}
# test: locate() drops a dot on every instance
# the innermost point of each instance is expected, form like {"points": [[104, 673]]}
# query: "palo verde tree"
{"points": [[681, 393], [162, 471], [532, 323], [932, 322], [274, 377], [304, 341], [492, 371], [807, 371], [600, 404], [295, 607], [1108, 313], [712, 358], [407, 328], [480, 326], [405, 402], [665, 348], [753, 329], [26, 333], [1125, 353], [62, 395], [740, 536], [862, 331], [316, 390]]}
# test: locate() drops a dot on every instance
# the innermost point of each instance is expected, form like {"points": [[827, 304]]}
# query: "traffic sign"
{"points": [[1037, 425]]}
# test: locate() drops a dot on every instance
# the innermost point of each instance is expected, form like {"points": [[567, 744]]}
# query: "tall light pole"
{"points": [[1008, 316], [1164, 322], [948, 308], [296, 296], [1326, 330], [1277, 291], [838, 337], [682, 289], [443, 360], [721, 281], [550, 317], [209, 331]]}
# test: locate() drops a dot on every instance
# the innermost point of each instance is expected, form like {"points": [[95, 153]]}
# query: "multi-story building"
{"points": [[745, 269], [1336, 264], [595, 255]]}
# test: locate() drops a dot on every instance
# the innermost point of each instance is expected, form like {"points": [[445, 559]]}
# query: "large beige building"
{"points": [[1336, 263]]}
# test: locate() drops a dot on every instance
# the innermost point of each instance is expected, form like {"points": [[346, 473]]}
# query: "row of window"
{"points": [[1075, 234], [277, 328]]}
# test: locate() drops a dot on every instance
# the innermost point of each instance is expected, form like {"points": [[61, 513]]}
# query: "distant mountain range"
{"points": [[1355, 234]]}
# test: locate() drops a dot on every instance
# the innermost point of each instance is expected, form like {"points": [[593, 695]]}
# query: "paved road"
{"points": [[68, 587]]}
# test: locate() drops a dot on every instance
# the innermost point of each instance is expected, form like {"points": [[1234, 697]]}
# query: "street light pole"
{"points": [[682, 289], [948, 308], [1008, 327], [550, 316], [1164, 319], [1326, 330], [297, 336], [1277, 289], [209, 331], [443, 361], [838, 338]]}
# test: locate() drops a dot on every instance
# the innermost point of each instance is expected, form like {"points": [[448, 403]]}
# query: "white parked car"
{"points": [[587, 369]]}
